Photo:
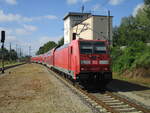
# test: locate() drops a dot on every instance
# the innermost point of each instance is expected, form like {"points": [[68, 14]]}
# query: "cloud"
{"points": [[18, 18], [30, 27], [12, 17], [8, 30], [11, 2], [50, 17], [137, 8], [96, 7], [115, 2], [27, 29], [85, 1], [11, 38], [71, 2], [21, 31]]}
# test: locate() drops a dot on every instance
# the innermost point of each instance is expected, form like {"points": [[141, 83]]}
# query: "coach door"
{"points": [[69, 57]]}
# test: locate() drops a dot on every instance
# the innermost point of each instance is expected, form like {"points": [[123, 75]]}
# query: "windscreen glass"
{"points": [[92, 47], [86, 47]]}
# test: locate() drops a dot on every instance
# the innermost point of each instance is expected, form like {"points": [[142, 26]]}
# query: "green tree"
{"points": [[13, 54], [147, 2], [61, 41], [147, 9], [115, 36], [5, 53], [133, 33], [46, 47], [132, 29]]}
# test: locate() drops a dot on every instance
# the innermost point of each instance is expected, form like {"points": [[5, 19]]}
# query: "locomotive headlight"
{"points": [[85, 62], [103, 62]]}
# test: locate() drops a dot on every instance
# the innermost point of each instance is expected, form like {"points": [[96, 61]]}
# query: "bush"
{"points": [[135, 55]]}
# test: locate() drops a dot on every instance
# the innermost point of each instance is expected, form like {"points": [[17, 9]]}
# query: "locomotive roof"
{"points": [[63, 46]]}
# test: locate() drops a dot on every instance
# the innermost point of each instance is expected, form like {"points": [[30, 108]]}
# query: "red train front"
{"points": [[94, 61], [82, 60]]}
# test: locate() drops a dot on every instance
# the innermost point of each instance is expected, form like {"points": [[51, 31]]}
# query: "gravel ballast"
{"points": [[31, 89]]}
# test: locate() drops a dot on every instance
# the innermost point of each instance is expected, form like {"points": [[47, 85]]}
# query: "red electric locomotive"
{"points": [[81, 60], [84, 60]]}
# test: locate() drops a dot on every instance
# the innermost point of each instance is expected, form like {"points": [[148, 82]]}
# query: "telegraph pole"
{"points": [[29, 50], [82, 8], [10, 51], [16, 49], [2, 41], [109, 27], [20, 52]]}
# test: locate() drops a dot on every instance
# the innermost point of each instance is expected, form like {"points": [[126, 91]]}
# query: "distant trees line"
{"points": [[8, 55]]}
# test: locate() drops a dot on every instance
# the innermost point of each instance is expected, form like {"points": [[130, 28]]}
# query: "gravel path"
{"points": [[139, 94], [31, 89]]}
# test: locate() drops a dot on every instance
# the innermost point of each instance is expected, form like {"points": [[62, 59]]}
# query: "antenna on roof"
{"points": [[82, 8]]}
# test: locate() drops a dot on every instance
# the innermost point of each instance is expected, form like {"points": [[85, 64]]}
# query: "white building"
{"points": [[87, 26]]}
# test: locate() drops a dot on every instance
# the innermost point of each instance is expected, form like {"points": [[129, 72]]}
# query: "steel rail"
{"points": [[11, 66], [138, 107]]}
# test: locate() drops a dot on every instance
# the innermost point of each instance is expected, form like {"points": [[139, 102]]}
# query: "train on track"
{"points": [[80, 60]]}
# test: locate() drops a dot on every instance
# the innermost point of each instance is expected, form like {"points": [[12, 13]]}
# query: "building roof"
{"points": [[75, 14]]}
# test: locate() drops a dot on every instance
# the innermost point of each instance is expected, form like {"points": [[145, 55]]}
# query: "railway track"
{"points": [[103, 102], [8, 67]]}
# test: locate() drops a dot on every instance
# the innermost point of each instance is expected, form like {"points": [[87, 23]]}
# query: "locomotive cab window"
{"points": [[86, 48], [99, 48], [92, 47]]}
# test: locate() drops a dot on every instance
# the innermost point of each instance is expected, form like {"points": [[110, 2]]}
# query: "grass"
{"points": [[139, 80]]}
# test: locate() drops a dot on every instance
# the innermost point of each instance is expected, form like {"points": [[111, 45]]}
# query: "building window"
{"points": [[74, 36]]}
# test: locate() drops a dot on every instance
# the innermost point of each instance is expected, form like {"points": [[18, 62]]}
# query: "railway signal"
{"points": [[2, 41]]}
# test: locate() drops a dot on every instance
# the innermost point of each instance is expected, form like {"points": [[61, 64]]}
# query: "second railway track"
{"points": [[12, 66], [103, 102]]}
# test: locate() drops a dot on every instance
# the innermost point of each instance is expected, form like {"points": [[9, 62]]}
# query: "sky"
{"points": [[35, 22]]}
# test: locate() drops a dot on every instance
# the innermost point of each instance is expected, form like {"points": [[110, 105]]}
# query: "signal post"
{"points": [[2, 41]]}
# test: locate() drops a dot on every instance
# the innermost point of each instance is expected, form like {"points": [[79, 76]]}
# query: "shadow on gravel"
{"points": [[114, 86], [124, 86], [94, 87]]}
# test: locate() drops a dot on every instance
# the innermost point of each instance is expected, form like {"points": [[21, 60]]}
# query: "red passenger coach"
{"points": [[66, 59]]}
